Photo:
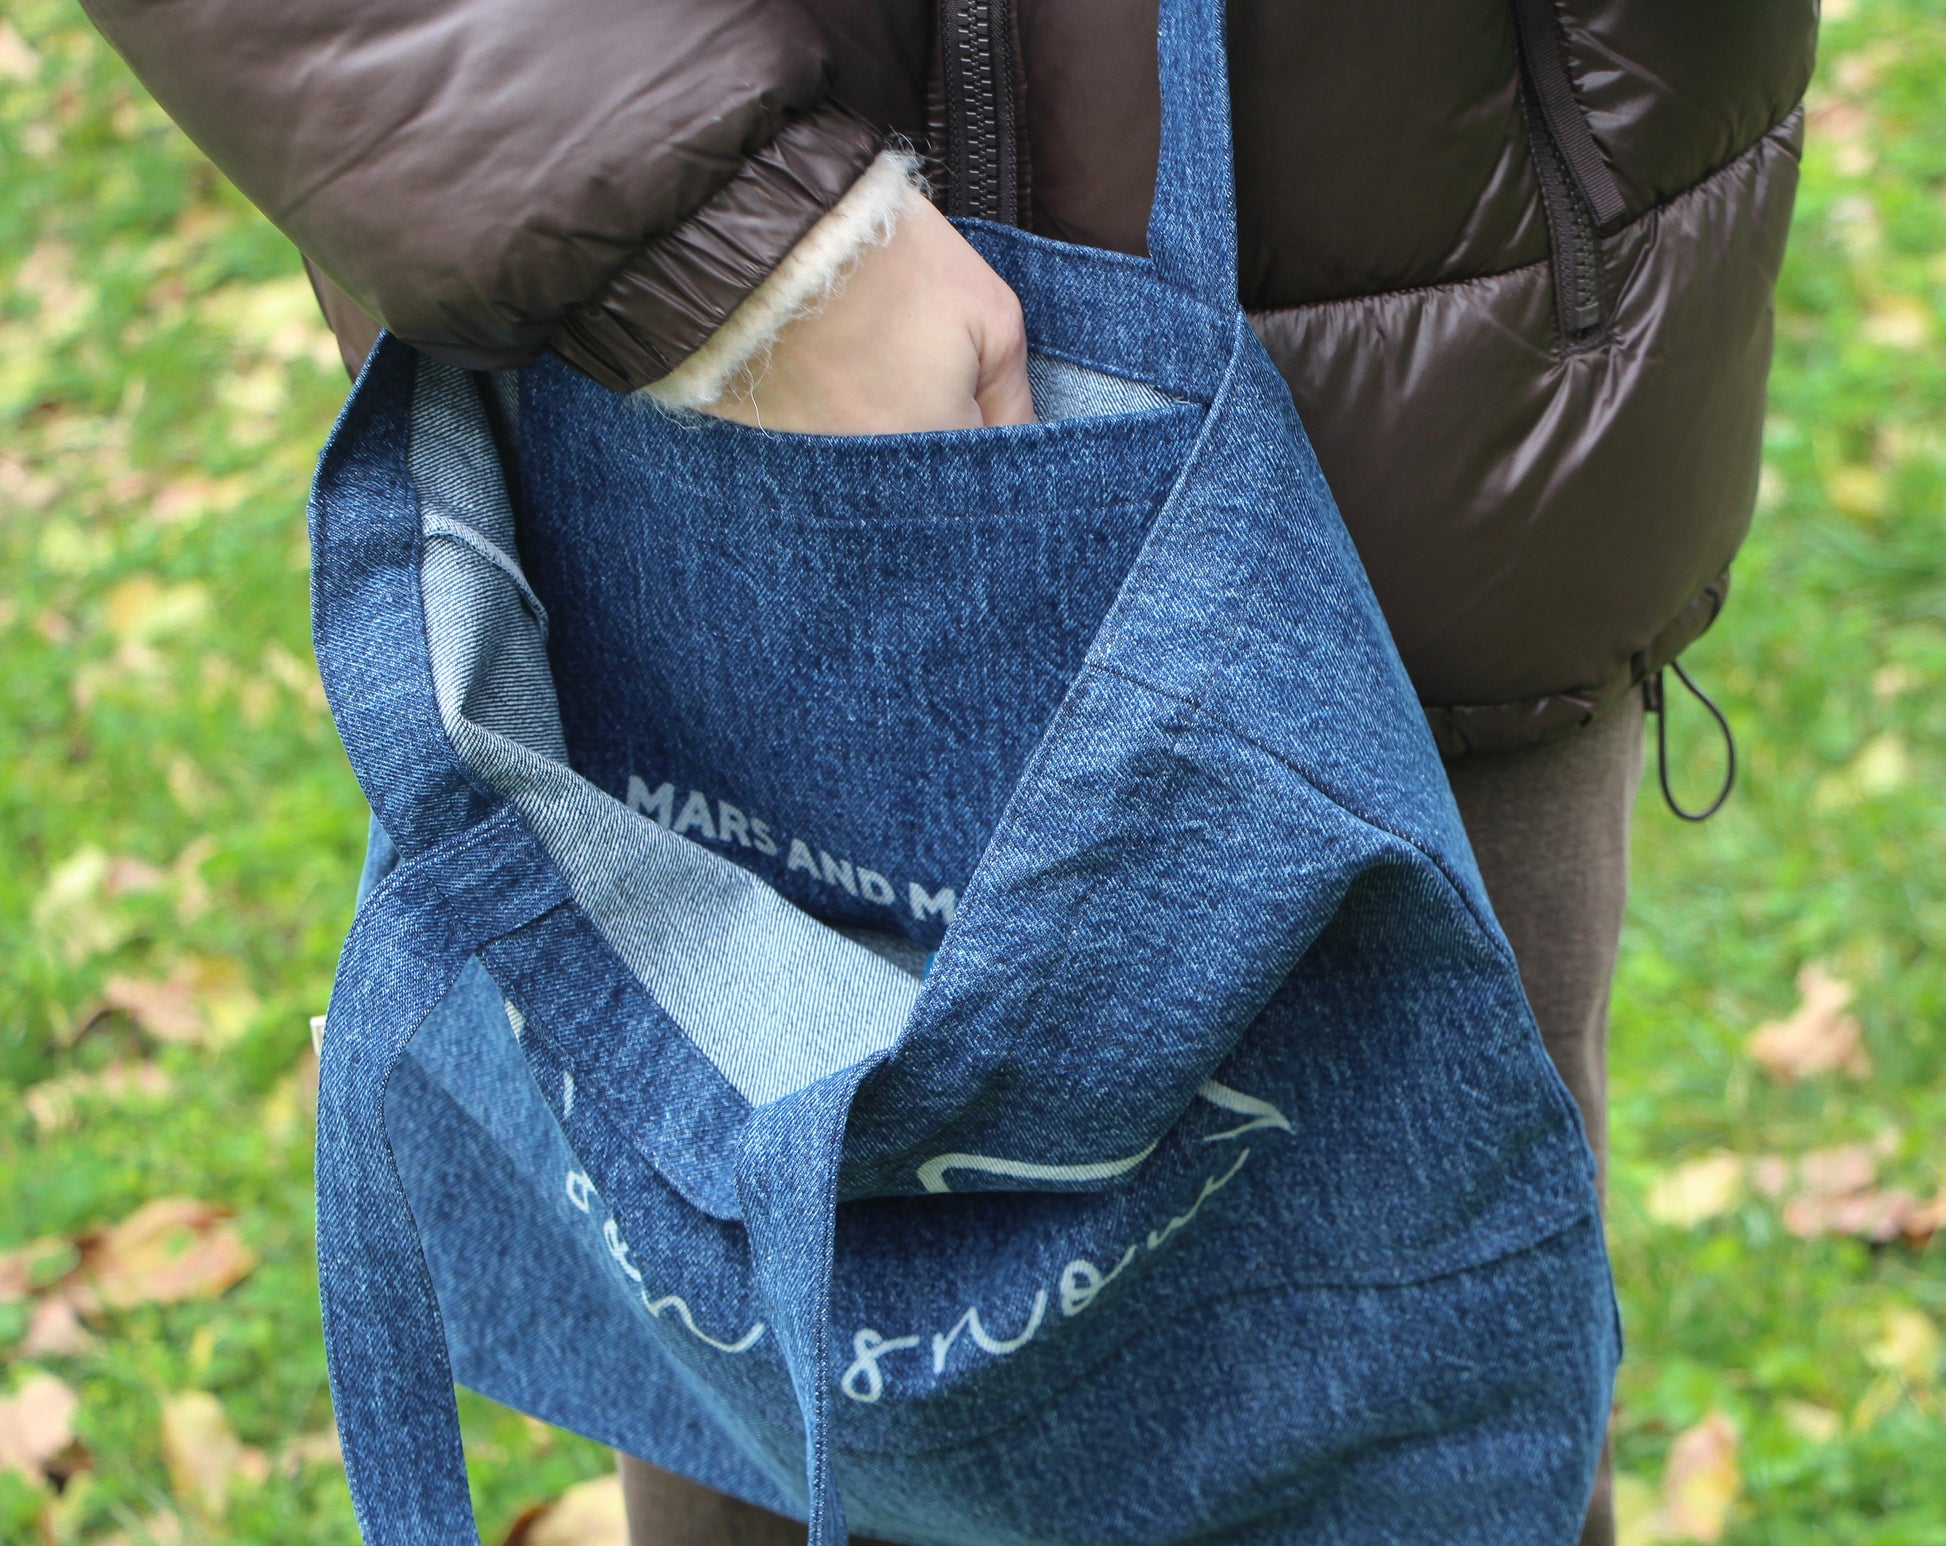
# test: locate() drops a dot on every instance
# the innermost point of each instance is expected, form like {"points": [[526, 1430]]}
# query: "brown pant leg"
{"points": [[1550, 829]]}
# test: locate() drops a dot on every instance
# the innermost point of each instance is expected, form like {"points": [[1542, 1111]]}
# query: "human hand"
{"points": [[921, 335]]}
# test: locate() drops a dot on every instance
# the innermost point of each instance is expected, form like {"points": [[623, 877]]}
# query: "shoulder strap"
{"points": [[1192, 224]]}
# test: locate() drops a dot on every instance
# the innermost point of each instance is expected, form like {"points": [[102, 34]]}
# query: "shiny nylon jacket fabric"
{"points": [[1209, 1183], [1546, 518]]}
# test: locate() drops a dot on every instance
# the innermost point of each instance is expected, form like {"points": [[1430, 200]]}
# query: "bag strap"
{"points": [[385, 1345], [1192, 223], [787, 1187]]}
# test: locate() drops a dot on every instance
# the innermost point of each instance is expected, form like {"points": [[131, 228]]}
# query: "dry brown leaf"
{"points": [[206, 1001], [172, 1249], [1817, 1037], [203, 1454], [54, 1330], [587, 1514], [37, 1427], [166, 1010], [1879, 1217], [1698, 1190], [1701, 1481]]}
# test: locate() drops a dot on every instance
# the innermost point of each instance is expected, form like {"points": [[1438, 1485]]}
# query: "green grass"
{"points": [[163, 387]]}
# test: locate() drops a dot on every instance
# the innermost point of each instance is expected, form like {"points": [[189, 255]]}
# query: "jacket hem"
{"points": [[1479, 729]]}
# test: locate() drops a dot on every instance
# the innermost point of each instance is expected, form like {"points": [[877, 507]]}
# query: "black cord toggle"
{"points": [[1657, 701]]}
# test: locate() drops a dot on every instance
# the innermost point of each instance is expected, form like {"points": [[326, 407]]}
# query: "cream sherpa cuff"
{"points": [[811, 271]]}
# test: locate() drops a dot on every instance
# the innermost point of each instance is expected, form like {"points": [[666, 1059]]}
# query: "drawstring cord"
{"points": [[1657, 702]]}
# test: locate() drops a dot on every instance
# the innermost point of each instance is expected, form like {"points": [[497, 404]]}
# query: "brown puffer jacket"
{"points": [[1514, 257]]}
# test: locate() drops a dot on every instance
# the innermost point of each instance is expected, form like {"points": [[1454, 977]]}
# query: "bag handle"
{"points": [[1192, 223]]}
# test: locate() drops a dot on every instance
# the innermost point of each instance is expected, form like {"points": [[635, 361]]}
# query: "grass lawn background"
{"points": [[179, 834]]}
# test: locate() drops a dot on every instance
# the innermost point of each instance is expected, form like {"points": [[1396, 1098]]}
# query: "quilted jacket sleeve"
{"points": [[493, 178]]}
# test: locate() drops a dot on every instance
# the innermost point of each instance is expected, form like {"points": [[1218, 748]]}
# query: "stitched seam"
{"points": [[1220, 722]]}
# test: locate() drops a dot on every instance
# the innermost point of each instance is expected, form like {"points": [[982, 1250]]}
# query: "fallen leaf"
{"points": [[166, 1010], [53, 1103], [141, 608], [1909, 1347], [1701, 1481], [1818, 1424], [1698, 1190], [1879, 1217], [172, 1249], [54, 1330], [203, 1454], [70, 913], [206, 1002], [18, 61], [1897, 321], [1817, 1037], [37, 1428], [587, 1514], [34, 1267]]}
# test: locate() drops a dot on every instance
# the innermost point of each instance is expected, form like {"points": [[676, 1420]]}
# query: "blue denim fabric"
{"points": [[1212, 1184]]}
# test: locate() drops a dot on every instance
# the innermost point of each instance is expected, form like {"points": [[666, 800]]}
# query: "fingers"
{"points": [[1001, 391]]}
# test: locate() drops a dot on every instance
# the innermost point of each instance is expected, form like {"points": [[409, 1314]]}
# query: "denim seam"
{"points": [[1221, 722]]}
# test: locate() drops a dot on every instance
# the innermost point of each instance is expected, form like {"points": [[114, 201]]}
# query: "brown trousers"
{"points": [[1550, 829]]}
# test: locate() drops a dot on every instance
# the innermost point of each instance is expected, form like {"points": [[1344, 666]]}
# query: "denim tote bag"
{"points": [[934, 982]]}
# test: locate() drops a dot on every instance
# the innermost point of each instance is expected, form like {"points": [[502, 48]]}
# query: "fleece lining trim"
{"points": [[811, 272]]}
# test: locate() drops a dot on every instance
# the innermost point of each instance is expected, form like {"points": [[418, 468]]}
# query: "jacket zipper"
{"points": [[1579, 194], [977, 65]]}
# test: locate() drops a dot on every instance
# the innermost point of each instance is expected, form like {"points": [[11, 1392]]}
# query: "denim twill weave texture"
{"points": [[934, 981]]}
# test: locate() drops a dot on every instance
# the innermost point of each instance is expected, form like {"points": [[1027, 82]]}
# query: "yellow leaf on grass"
{"points": [[1701, 1481], [18, 61], [1817, 1037], [588, 1514], [203, 1454], [37, 1427], [1908, 1346], [142, 608], [1698, 1190], [172, 1249], [1898, 321], [1818, 1424]]}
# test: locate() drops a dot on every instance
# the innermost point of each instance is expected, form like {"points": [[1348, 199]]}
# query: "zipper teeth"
{"points": [[980, 109], [1571, 231]]}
